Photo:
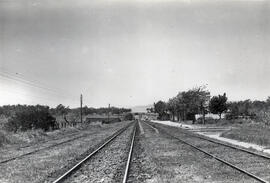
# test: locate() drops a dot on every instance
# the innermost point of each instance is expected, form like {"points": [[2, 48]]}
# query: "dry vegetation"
{"points": [[243, 130], [257, 133], [45, 165], [30, 137], [176, 162]]}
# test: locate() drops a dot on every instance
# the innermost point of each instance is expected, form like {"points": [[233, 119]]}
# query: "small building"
{"points": [[146, 116], [102, 119], [210, 116]]}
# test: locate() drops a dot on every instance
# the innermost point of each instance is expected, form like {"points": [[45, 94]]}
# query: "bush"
{"points": [[3, 121], [208, 120], [129, 117], [229, 116], [3, 138], [263, 116], [31, 117], [257, 133]]}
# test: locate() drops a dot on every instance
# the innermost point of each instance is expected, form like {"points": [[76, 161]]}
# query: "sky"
{"points": [[130, 53]]}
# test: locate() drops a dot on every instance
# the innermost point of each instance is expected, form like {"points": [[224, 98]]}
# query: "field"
{"points": [[49, 158], [253, 133], [241, 130], [244, 130]]}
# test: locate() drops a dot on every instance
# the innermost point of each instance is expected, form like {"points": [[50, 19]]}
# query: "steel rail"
{"points": [[129, 156], [49, 140], [40, 149], [217, 158], [156, 130], [224, 144], [75, 167]]}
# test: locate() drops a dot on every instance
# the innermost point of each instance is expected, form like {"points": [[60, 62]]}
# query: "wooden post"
{"points": [[81, 99], [109, 113]]}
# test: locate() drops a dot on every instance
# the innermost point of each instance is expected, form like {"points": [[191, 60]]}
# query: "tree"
{"points": [[218, 104], [31, 117], [268, 100], [128, 117], [150, 110], [172, 106], [181, 105], [160, 108], [202, 99], [192, 102], [61, 110]]}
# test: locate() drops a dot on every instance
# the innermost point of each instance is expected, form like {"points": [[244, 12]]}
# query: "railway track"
{"points": [[40, 149], [250, 163], [191, 133], [72, 174], [50, 140], [46, 147]]}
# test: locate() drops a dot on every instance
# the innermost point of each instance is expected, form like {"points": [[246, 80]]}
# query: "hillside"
{"points": [[141, 108]]}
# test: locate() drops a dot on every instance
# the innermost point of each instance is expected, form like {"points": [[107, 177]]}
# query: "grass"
{"points": [[31, 136], [225, 122], [252, 132], [243, 130], [3, 121], [3, 138], [45, 165], [38, 135]]}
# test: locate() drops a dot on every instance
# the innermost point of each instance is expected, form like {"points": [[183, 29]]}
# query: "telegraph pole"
{"points": [[81, 99], [109, 113]]}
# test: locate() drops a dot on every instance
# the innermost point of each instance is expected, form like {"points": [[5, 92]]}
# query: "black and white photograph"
{"points": [[134, 91]]}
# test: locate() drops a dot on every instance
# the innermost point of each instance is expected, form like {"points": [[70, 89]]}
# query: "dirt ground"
{"points": [[176, 162], [42, 165], [108, 165], [253, 164], [157, 158]]}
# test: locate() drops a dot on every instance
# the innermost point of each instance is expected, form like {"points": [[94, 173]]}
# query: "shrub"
{"points": [[257, 133], [129, 116], [263, 116], [208, 120], [3, 138], [3, 121], [31, 117]]}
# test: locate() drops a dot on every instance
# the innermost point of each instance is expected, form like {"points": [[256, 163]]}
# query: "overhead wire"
{"points": [[20, 78], [27, 95], [16, 78]]}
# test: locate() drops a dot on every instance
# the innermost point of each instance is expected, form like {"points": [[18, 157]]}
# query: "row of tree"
{"points": [[62, 110], [10, 110], [258, 110], [186, 104], [25, 117]]}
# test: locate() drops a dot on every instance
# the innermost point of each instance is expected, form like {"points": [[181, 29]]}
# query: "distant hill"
{"points": [[141, 108]]}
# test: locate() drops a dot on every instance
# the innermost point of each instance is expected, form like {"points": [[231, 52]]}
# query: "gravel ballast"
{"points": [[251, 163], [43, 166], [108, 164], [142, 168], [177, 162], [156, 158]]}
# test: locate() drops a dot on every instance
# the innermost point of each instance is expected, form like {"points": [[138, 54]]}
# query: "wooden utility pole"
{"points": [[81, 99], [109, 113]]}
